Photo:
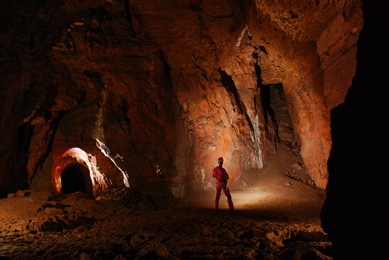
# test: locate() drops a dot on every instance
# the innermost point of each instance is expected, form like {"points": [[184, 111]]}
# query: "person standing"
{"points": [[221, 176]]}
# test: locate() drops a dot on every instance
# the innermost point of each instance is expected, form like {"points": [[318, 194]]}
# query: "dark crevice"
{"points": [[129, 18], [268, 111], [96, 77], [23, 141], [17, 160], [75, 178], [42, 159], [229, 84]]}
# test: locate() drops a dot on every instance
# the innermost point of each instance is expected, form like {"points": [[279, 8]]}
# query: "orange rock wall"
{"points": [[168, 86]]}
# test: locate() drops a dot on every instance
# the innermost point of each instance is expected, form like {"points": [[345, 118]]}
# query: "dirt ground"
{"points": [[276, 217]]}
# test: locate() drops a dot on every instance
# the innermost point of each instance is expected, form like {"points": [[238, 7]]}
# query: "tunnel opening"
{"points": [[76, 178], [277, 118]]}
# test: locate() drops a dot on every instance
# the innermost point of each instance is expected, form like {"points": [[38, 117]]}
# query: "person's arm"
{"points": [[226, 177]]}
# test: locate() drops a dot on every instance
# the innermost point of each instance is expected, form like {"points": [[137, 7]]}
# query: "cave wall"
{"points": [[168, 87], [355, 213]]}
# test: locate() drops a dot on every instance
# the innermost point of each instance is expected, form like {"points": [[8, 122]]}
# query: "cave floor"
{"points": [[276, 217]]}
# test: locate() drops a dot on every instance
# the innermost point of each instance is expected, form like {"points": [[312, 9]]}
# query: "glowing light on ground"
{"points": [[250, 198], [242, 199]]}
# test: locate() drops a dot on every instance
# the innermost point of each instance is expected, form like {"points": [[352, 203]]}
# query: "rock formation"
{"points": [[153, 92], [147, 94], [356, 211]]}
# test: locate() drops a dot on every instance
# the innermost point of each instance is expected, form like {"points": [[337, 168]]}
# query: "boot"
{"points": [[217, 205], [230, 205]]}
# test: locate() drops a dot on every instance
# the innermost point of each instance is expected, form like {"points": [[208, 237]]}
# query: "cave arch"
{"points": [[76, 177], [76, 170]]}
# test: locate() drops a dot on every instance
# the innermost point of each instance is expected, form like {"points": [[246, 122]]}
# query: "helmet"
{"points": [[220, 160]]}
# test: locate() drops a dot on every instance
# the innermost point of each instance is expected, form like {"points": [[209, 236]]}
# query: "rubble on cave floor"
{"points": [[127, 225]]}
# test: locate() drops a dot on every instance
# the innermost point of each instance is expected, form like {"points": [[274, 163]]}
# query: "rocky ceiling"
{"points": [[148, 94]]}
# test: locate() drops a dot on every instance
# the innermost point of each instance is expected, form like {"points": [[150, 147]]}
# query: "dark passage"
{"points": [[76, 178]]}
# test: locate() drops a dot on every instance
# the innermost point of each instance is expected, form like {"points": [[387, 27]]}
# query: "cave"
{"points": [[76, 178], [132, 102]]}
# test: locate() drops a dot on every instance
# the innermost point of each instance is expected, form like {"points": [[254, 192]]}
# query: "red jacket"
{"points": [[220, 174]]}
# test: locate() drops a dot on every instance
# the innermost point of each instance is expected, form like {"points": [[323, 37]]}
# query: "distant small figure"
{"points": [[221, 176]]}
